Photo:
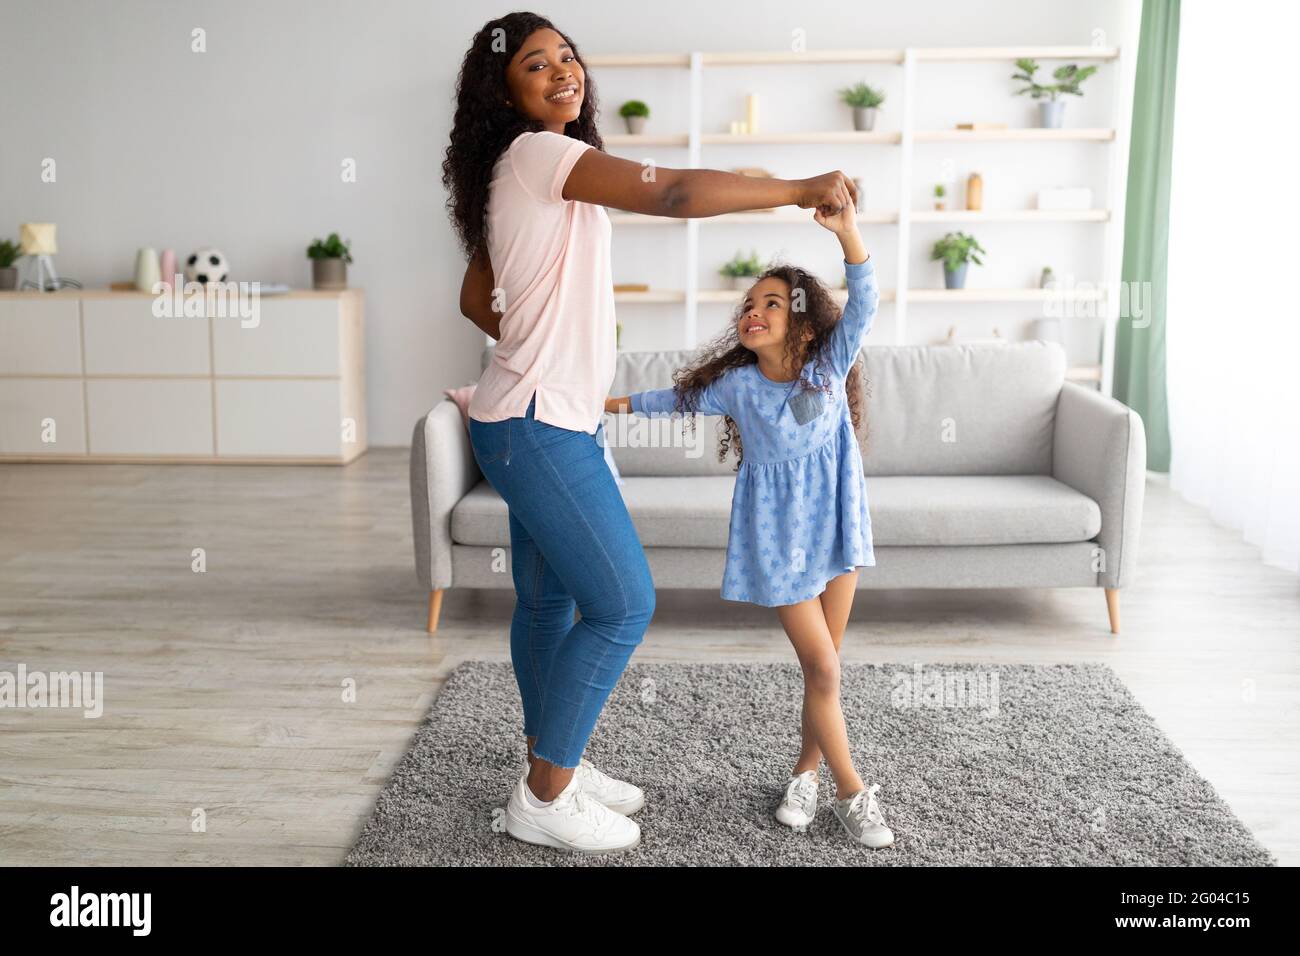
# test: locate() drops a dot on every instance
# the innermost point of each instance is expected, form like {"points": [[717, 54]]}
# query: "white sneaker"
{"points": [[799, 805], [861, 818], [619, 795], [572, 821]]}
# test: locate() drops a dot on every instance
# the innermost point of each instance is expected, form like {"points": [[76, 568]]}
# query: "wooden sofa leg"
{"points": [[435, 608], [1112, 608]]}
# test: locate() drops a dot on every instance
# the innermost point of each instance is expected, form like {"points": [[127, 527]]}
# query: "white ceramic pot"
{"points": [[1050, 114], [147, 270]]}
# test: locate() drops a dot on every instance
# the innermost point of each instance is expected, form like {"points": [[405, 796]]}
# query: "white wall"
{"points": [[240, 147]]}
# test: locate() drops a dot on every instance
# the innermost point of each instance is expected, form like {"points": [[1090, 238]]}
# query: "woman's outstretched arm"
{"points": [[606, 180]]}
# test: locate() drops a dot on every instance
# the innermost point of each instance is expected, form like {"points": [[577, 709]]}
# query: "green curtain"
{"points": [[1139, 368]]}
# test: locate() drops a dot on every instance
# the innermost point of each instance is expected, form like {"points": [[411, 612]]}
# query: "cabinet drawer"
{"points": [[25, 404], [276, 419], [123, 337], [150, 417], [292, 337], [40, 337]]}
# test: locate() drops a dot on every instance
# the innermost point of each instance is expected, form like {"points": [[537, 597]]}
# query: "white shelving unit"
{"points": [[910, 61]]}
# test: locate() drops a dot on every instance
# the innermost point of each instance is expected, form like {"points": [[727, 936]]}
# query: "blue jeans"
{"points": [[571, 541]]}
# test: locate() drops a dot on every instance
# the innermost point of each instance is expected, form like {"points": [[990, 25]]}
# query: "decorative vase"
{"points": [[955, 278], [168, 268], [329, 274], [635, 124], [1050, 114], [975, 192], [9, 277], [864, 118], [147, 271]]}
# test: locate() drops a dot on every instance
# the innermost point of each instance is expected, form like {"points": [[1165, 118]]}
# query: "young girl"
{"points": [[785, 377]]}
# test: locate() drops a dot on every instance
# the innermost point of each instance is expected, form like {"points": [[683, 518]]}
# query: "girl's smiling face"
{"points": [[546, 81], [765, 315]]}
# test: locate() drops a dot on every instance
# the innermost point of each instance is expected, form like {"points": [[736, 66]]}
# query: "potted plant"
{"points": [[1045, 278], [742, 271], [865, 101], [957, 250], [634, 113], [939, 193], [329, 262], [1051, 108], [9, 254]]}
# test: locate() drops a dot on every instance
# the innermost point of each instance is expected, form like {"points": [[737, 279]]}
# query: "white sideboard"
{"points": [[95, 375]]}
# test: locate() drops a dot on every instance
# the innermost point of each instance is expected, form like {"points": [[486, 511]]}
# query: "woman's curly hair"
{"points": [[484, 126], [806, 338]]}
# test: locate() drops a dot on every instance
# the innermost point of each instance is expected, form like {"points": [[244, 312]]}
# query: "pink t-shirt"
{"points": [[551, 256]]}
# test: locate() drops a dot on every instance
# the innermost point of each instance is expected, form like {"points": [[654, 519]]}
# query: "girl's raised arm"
{"points": [[860, 276], [859, 312]]}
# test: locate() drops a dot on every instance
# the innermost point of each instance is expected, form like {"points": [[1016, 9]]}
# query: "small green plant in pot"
{"points": [[865, 101], [742, 270], [1051, 108], [939, 193], [634, 113], [9, 254], [957, 250], [329, 262]]}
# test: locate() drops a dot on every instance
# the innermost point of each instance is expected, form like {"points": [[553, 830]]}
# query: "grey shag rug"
{"points": [[978, 765]]}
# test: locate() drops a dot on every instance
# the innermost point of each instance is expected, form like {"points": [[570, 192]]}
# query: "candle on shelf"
{"points": [[751, 113]]}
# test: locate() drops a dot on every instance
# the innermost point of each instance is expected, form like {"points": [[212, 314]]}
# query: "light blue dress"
{"points": [[799, 510]]}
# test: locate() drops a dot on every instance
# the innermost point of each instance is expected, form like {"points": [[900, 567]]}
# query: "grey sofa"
{"points": [[985, 469]]}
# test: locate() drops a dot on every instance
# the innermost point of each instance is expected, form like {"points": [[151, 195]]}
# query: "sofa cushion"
{"points": [[961, 409], [680, 512], [979, 510], [671, 512], [930, 410]]}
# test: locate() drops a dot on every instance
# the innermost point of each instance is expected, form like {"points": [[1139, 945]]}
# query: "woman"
{"points": [[528, 180]]}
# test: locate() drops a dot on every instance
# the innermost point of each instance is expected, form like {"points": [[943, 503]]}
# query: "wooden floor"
{"points": [[226, 736]]}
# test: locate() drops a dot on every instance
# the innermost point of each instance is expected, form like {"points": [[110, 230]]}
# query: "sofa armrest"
{"points": [[443, 470], [1099, 448]]}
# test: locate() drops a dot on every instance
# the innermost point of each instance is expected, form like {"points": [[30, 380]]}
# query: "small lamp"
{"points": [[38, 242]]}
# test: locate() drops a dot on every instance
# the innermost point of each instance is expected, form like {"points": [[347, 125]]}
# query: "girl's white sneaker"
{"points": [[572, 821], [860, 816], [799, 805]]}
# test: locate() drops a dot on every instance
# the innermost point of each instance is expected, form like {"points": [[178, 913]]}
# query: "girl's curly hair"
{"points": [[484, 126], [806, 338]]}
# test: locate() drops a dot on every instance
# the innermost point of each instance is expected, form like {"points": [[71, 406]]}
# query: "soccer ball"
{"points": [[206, 265]]}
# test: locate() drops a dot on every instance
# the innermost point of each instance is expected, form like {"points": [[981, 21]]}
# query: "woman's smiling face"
{"points": [[546, 81]]}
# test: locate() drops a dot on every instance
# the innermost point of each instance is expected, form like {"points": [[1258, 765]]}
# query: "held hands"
{"points": [[845, 226], [828, 193], [617, 406], [846, 220]]}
